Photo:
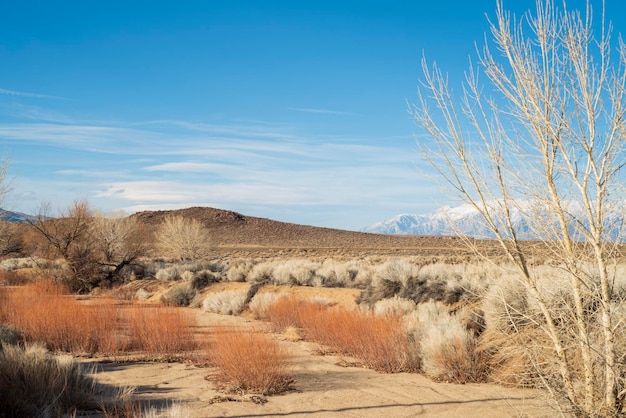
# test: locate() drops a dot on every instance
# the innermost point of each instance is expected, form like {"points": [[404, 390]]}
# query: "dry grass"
{"points": [[250, 362], [35, 384]]}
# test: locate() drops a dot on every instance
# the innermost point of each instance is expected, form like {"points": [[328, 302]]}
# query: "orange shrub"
{"points": [[43, 314], [287, 312], [380, 341], [160, 330], [251, 362]]}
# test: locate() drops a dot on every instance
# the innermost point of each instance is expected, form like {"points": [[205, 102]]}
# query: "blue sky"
{"points": [[291, 110]]}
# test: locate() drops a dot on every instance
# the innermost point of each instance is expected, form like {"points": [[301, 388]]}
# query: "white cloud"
{"points": [[26, 94], [190, 167], [324, 111]]}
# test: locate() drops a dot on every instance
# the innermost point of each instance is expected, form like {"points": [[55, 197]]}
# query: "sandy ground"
{"points": [[322, 388]]}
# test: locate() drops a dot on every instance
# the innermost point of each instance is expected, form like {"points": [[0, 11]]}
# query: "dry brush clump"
{"points": [[250, 362], [448, 349], [404, 279], [180, 295], [297, 272], [36, 384], [379, 341], [42, 313], [160, 331], [227, 302]]}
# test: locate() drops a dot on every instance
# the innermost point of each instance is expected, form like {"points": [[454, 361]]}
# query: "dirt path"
{"points": [[322, 388]]}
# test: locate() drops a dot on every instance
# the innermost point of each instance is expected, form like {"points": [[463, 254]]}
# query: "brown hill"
{"points": [[248, 235]]}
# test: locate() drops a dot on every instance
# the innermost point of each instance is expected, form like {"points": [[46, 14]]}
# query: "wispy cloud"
{"points": [[16, 93], [268, 170], [324, 111], [190, 167]]}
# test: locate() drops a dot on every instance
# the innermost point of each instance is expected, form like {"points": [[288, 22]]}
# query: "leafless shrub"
{"points": [[97, 250], [183, 238]]}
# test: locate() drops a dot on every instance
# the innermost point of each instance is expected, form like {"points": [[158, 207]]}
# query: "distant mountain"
{"points": [[443, 221], [16, 217], [234, 233], [465, 220]]}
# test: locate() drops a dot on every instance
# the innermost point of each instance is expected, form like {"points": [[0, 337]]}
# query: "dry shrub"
{"points": [[228, 302], [395, 305], [180, 295], [160, 330], [448, 348], [450, 353], [11, 278], [506, 306], [250, 362], [287, 312], [402, 278], [261, 302], [137, 409], [42, 313], [35, 384], [380, 341], [513, 358]]}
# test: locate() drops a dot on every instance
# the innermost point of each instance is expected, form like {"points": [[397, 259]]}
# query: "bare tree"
{"points": [[9, 240], [548, 143], [68, 236], [183, 238], [95, 248], [119, 241]]}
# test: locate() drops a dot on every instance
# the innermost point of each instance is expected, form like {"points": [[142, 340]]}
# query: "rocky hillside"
{"points": [[231, 230]]}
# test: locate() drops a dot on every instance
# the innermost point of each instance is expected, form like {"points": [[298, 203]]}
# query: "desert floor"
{"points": [[324, 386]]}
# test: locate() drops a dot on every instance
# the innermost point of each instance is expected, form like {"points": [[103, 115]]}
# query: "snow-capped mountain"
{"points": [[465, 220], [443, 221]]}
